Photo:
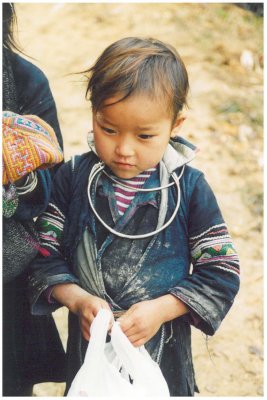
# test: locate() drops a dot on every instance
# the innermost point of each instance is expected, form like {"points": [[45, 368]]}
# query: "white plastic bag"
{"points": [[107, 366]]}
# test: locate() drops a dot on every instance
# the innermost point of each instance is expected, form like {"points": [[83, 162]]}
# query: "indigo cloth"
{"points": [[193, 259]]}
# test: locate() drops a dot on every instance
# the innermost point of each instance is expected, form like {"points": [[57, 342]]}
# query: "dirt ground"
{"points": [[222, 46]]}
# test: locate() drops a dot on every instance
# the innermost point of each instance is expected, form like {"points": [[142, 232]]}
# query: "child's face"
{"points": [[132, 135]]}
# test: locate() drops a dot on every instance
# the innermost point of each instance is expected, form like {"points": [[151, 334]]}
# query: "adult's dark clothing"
{"points": [[32, 91], [32, 349]]}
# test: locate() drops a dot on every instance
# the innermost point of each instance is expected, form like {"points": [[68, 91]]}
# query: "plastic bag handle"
{"points": [[129, 356], [138, 364], [98, 330]]}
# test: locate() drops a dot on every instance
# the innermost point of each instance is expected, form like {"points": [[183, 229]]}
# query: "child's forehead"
{"points": [[138, 111], [142, 102]]}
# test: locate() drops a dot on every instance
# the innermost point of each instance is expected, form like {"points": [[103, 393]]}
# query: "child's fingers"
{"points": [[137, 340], [126, 323], [132, 330], [111, 322], [85, 328]]}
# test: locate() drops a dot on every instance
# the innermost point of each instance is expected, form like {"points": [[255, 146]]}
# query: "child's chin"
{"points": [[124, 174]]}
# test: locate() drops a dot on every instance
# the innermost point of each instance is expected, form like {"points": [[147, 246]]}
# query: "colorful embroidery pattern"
{"points": [[50, 227], [28, 143], [214, 247]]}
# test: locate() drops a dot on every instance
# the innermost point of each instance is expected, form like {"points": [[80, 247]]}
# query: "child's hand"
{"points": [[86, 308], [141, 322], [81, 303]]}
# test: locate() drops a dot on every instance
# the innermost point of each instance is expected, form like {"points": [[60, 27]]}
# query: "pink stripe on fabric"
{"points": [[122, 202], [124, 192]]}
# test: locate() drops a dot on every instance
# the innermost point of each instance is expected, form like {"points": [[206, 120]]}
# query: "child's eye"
{"points": [[145, 137], [108, 130]]}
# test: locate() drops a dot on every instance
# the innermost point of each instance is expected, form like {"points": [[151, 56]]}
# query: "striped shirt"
{"points": [[124, 195]]}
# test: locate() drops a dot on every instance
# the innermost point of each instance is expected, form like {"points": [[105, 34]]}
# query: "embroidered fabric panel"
{"points": [[28, 143], [214, 247], [50, 226]]}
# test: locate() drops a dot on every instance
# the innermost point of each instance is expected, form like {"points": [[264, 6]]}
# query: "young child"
{"points": [[127, 220]]}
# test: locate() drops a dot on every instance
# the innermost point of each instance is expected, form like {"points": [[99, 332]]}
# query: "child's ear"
{"points": [[176, 126]]}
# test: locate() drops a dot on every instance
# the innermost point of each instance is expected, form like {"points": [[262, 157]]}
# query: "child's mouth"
{"points": [[124, 165]]}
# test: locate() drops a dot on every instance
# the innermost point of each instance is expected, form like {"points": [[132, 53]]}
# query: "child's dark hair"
{"points": [[134, 65]]}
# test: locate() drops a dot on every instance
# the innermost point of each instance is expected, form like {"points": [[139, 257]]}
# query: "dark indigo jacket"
{"points": [[34, 97], [30, 344], [197, 236], [34, 94]]}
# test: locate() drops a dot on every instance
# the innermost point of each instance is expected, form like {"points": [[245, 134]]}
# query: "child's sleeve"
{"points": [[210, 290], [50, 266]]}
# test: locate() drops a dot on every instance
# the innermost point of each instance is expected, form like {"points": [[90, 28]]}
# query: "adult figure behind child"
{"points": [[128, 219], [31, 345], [25, 87]]}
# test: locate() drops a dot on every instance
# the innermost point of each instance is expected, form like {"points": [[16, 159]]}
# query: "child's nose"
{"points": [[124, 149]]}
